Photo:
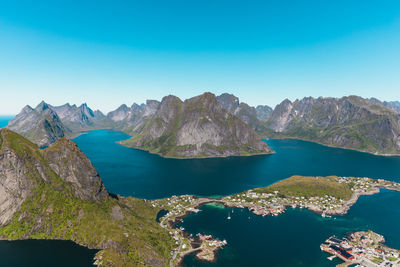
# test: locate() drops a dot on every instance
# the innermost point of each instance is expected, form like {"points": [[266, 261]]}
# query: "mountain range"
{"points": [[349, 122], [209, 125], [171, 128], [196, 127]]}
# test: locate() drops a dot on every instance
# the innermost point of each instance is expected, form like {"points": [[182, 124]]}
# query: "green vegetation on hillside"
{"points": [[307, 186], [123, 229]]}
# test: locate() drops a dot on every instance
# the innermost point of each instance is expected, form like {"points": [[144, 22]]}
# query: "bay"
{"points": [[132, 172], [291, 239]]}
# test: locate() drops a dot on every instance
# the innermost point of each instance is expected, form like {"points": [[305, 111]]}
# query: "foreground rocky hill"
{"points": [[56, 193], [349, 122], [197, 127]]}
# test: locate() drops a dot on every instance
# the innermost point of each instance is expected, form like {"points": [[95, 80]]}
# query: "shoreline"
{"points": [[333, 146], [197, 202], [199, 157], [258, 154]]}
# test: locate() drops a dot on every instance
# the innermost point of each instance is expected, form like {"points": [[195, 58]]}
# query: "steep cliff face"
{"points": [[14, 187], [351, 122], [229, 102], [197, 127], [131, 119], [24, 168], [41, 125], [246, 113], [263, 112], [57, 194], [72, 165], [393, 105]]}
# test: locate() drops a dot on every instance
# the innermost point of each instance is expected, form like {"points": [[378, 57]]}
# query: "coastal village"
{"points": [[363, 249], [267, 202], [273, 200]]}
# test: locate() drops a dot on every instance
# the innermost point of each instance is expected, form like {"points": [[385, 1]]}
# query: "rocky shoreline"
{"points": [[182, 206]]}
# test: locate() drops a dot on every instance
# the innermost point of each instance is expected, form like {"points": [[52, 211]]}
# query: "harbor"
{"points": [[362, 248], [263, 202]]}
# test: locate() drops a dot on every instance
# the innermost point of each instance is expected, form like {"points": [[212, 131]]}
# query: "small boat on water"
{"points": [[331, 257], [229, 216]]}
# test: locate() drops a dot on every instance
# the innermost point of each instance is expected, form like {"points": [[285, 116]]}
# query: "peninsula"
{"points": [[332, 195]]}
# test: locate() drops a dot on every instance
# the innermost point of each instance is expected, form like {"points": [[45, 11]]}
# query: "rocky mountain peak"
{"points": [[73, 166], [197, 127], [27, 109], [24, 167], [263, 112], [228, 102], [42, 107]]}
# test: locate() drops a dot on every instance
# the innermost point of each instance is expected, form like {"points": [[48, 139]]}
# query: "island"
{"points": [[55, 193], [365, 248], [331, 195]]}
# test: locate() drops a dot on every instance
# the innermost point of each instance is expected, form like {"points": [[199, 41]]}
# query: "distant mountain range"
{"points": [[350, 122], [208, 125], [197, 127]]}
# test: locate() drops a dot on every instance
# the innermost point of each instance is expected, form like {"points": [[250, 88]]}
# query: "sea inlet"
{"points": [[290, 239]]}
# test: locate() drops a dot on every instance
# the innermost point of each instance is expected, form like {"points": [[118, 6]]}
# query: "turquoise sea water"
{"points": [[291, 239], [4, 120], [138, 173]]}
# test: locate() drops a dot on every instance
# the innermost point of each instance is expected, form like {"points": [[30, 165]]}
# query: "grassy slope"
{"points": [[309, 186], [54, 213]]}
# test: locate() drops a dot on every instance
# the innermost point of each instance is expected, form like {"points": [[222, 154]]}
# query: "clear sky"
{"points": [[107, 53]]}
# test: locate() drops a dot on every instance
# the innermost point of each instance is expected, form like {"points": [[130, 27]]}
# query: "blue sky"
{"points": [[107, 53]]}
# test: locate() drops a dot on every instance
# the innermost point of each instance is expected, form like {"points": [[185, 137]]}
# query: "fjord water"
{"points": [[291, 239], [133, 172], [44, 253]]}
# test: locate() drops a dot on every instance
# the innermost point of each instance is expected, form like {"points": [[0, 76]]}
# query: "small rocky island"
{"points": [[365, 248], [331, 195]]}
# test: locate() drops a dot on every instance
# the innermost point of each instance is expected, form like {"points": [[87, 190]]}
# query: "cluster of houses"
{"points": [[363, 248], [266, 204], [210, 241], [273, 204]]}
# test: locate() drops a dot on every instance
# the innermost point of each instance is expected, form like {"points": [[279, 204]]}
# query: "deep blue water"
{"points": [[255, 242], [293, 238], [132, 172], [44, 253]]}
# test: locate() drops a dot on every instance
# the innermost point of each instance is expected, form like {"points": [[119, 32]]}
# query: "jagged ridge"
{"points": [[197, 127]]}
